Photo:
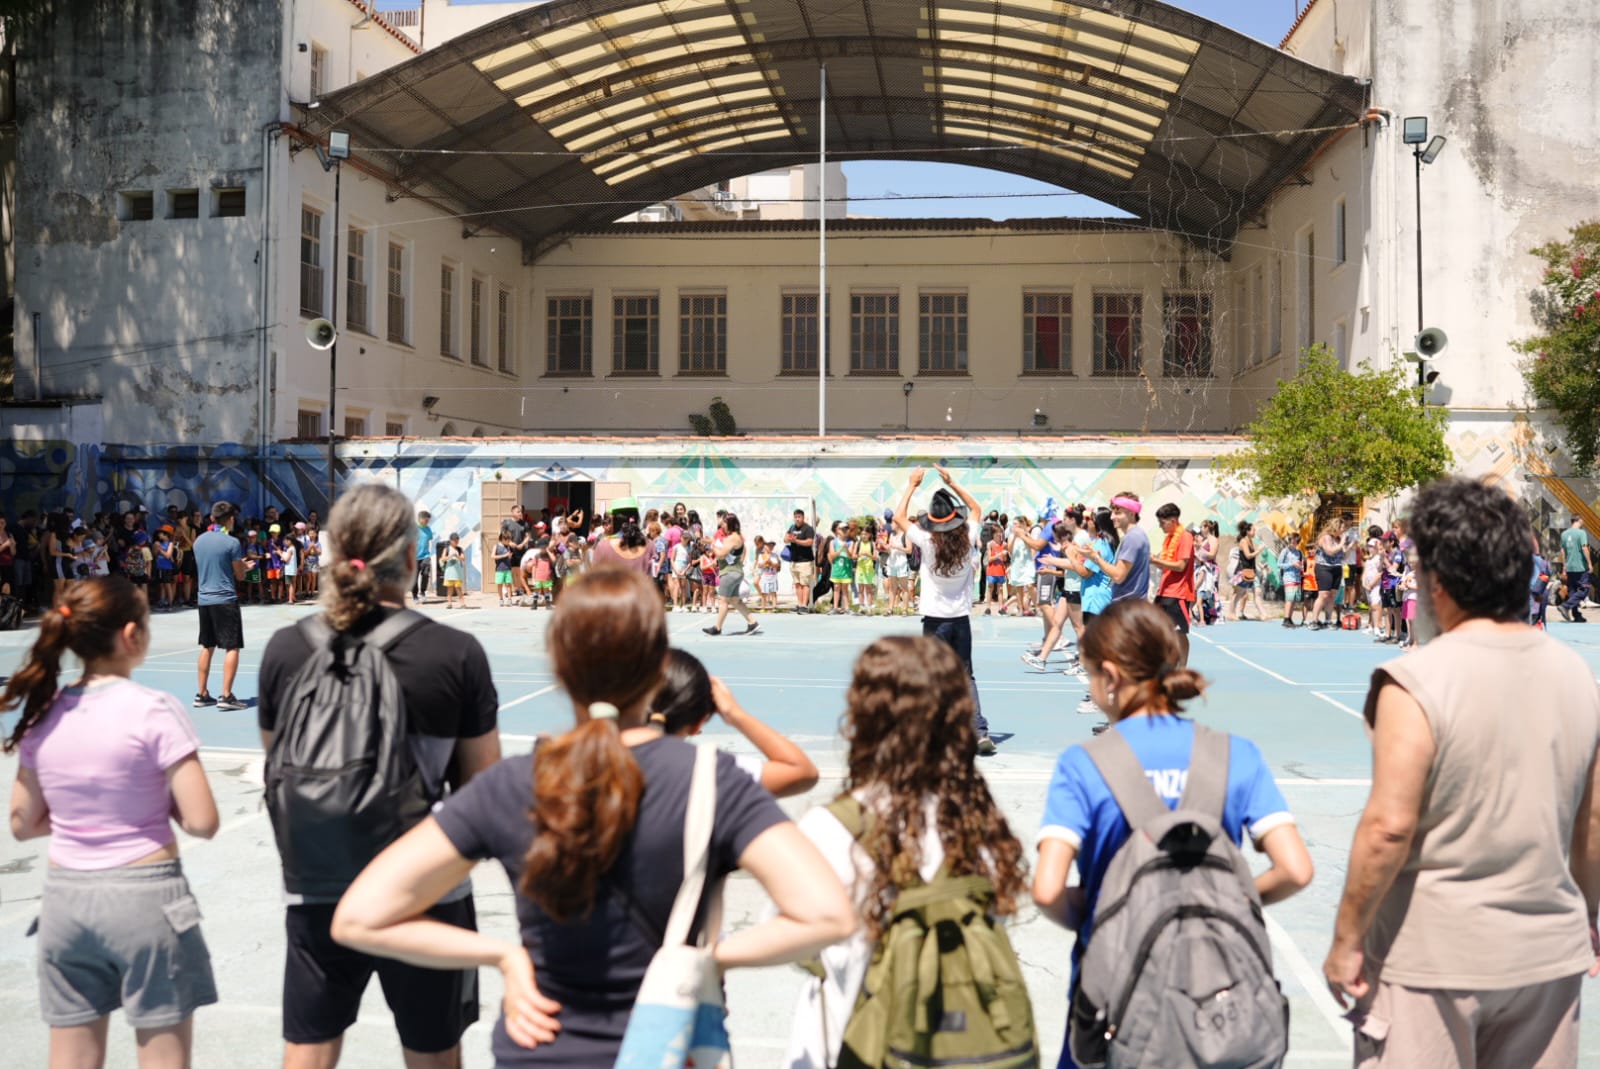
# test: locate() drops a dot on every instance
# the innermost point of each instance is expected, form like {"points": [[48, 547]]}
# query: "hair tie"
{"points": [[602, 711], [657, 719], [64, 610], [358, 565], [1164, 671]]}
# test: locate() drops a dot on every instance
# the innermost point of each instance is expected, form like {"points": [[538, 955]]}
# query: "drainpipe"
{"points": [[264, 294]]}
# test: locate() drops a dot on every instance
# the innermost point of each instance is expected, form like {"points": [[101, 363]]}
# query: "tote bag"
{"points": [[677, 1020]]}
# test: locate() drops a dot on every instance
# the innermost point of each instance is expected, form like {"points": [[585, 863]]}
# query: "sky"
{"points": [[893, 189]]}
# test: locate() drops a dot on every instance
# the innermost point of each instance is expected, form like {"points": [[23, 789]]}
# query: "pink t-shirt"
{"points": [[101, 754]]}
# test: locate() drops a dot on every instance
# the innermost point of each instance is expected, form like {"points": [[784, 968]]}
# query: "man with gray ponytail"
{"points": [[449, 708]]}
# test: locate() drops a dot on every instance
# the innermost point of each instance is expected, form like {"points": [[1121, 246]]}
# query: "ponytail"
{"points": [[607, 642], [86, 621], [586, 791], [371, 536], [1164, 692]]}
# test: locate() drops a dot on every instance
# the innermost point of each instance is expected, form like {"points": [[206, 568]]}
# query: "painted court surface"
{"points": [[1297, 694]]}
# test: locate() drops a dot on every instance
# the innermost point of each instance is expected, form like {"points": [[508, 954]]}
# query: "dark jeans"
{"points": [[422, 585], [956, 632], [1577, 590]]}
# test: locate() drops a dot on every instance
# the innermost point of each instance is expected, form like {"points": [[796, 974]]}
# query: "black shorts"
{"points": [[1072, 597], [1328, 576], [323, 983], [187, 566], [1177, 611], [1388, 598], [221, 627], [516, 558]]}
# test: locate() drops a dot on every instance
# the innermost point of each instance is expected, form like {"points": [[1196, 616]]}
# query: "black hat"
{"points": [[944, 513]]}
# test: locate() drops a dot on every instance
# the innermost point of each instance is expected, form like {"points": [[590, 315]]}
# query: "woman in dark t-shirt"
{"points": [[598, 864]]}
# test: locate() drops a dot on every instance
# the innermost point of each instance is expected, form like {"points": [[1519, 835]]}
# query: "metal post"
{"points": [[333, 350], [1416, 152], [822, 257]]}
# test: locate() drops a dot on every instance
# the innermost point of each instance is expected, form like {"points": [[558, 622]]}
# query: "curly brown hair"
{"points": [[952, 551], [909, 728]]}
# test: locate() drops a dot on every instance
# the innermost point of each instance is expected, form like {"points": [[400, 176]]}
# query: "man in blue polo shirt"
{"points": [[424, 578], [219, 564]]}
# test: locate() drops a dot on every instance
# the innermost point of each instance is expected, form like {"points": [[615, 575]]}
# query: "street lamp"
{"points": [[337, 152], [1415, 133], [906, 388]]}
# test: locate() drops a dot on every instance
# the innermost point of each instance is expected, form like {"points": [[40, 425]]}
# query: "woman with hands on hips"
{"points": [[592, 854]]}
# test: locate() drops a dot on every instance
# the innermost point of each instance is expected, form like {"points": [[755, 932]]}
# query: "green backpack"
{"points": [[944, 988]]}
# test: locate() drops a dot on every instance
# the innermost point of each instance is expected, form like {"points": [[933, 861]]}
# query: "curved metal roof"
{"points": [[574, 112]]}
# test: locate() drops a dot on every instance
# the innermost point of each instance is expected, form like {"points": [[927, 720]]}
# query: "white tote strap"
{"points": [[696, 845]]}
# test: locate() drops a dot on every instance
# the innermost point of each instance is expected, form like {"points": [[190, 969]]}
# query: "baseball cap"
{"points": [[274, 529], [77, 525], [300, 526], [140, 537]]}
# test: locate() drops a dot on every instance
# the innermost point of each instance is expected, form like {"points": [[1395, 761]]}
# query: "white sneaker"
{"points": [[1064, 644], [1088, 706], [1034, 661], [1075, 671]]}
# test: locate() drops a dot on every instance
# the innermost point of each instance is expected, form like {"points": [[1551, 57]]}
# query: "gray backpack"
{"points": [[1177, 971]]}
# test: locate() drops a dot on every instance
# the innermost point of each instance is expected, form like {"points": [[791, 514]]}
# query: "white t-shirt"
{"points": [[945, 596], [844, 963]]}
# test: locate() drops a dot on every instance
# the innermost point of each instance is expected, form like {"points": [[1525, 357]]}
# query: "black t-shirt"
{"points": [[799, 554], [443, 673], [593, 967]]}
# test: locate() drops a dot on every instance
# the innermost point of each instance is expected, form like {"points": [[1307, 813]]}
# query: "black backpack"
{"points": [[10, 613], [342, 781]]}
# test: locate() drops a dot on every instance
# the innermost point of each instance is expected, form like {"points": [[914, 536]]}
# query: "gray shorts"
{"points": [[127, 937]]}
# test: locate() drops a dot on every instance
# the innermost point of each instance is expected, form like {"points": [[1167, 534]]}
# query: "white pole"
{"points": [[822, 260]]}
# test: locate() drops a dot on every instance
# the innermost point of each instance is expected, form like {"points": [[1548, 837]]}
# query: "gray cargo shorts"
{"points": [[126, 937]]}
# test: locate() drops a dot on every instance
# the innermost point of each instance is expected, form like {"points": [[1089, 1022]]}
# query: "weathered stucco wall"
{"points": [[158, 317]]}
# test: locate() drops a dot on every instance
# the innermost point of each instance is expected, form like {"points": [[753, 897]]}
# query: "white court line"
{"points": [[1341, 706], [1309, 977], [528, 697], [1245, 660]]}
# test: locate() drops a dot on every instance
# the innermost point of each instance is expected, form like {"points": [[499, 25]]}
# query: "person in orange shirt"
{"points": [[1175, 588]]}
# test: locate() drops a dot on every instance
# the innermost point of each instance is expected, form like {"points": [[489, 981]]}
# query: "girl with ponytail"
{"points": [[1133, 659], [106, 766], [595, 857]]}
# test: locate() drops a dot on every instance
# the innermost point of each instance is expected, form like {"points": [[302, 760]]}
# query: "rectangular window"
{"points": [[1186, 351], [355, 426], [136, 206], [227, 202], [636, 335], [569, 337], [874, 333], [355, 289], [1341, 342], [319, 71], [1306, 279], [801, 333], [309, 424], [1275, 306], [502, 329], [1118, 324], [942, 333], [447, 311], [1340, 238], [398, 326], [395, 428], [1047, 333], [703, 334], [1257, 315], [310, 261], [183, 204], [475, 324]]}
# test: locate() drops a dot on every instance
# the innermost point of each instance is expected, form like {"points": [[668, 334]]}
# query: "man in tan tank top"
{"points": [[1468, 917]]}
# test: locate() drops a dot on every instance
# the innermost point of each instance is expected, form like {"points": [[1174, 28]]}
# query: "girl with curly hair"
{"points": [[912, 766]]}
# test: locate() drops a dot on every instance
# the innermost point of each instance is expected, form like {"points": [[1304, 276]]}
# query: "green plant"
{"points": [[1561, 365], [1330, 432], [722, 418], [701, 424]]}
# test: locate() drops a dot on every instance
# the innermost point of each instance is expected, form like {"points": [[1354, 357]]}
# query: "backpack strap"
{"points": [[1205, 788], [1120, 767]]}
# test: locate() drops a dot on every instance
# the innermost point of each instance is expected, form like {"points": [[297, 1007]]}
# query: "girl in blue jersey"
{"points": [[1132, 654]]}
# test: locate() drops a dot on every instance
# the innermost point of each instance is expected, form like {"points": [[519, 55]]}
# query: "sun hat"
{"points": [[944, 513], [300, 527]]}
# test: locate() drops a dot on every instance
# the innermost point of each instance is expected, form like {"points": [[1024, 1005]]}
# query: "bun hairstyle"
{"points": [[910, 736], [684, 700], [369, 543], [86, 621], [607, 642], [1139, 639]]}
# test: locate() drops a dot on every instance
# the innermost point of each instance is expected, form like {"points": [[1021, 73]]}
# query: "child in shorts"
{"points": [[312, 560], [1292, 569], [289, 553], [453, 565], [543, 585], [502, 568], [767, 567], [708, 578], [274, 559], [166, 555]]}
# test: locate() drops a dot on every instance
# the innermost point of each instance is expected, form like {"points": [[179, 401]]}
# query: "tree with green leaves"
{"points": [[1561, 365], [1331, 433]]}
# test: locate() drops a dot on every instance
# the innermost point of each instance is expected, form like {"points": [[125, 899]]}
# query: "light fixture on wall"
{"points": [[906, 388], [429, 403], [1040, 419]]}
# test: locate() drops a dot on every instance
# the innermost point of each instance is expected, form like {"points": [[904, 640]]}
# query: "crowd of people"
{"points": [[1466, 924]]}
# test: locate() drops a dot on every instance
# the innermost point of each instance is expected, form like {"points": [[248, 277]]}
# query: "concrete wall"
{"points": [[992, 265]]}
